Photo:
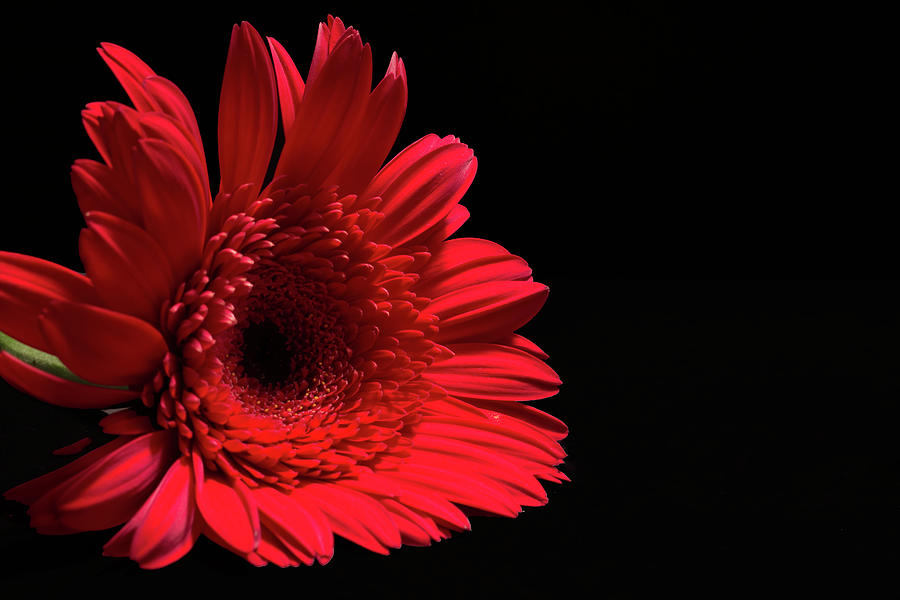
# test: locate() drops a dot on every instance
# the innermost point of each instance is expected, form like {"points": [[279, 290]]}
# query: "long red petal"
{"points": [[355, 516], [173, 203], [487, 311], [225, 510], [333, 103], [168, 528], [30, 491], [418, 190], [110, 491], [27, 286], [295, 522], [56, 390], [464, 262], [375, 134], [100, 345], [493, 372], [290, 83], [129, 269], [248, 116]]}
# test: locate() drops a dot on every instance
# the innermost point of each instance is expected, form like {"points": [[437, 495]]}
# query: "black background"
{"points": [[684, 180]]}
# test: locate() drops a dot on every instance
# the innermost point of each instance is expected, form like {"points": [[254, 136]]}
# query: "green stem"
{"points": [[43, 361]]}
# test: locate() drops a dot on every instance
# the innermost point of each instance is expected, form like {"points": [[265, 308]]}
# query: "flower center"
{"points": [[287, 354], [267, 357]]}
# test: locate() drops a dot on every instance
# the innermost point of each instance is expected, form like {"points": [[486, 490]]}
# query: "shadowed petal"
{"points": [[248, 115], [27, 286], [101, 345]]}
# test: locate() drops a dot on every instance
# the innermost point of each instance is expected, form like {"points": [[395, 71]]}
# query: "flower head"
{"points": [[290, 359]]}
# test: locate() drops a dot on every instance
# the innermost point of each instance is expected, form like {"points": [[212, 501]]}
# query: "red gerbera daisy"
{"points": [[288, 362]]}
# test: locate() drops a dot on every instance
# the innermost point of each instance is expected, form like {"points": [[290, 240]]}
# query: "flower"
{"points": [[287, 361]]}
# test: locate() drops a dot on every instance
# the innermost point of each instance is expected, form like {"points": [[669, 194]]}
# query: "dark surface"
{"points": [[724, 434]]}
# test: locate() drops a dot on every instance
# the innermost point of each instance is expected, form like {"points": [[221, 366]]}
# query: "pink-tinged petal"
{"points": [[493, 372], [168, 528], [56, 390], [228, 513], [100, 345], [515, 413], [173, 203], [111, 490], [418, 190], [376, 132], [524, 344], [465, 262], [299, 523], [27, 286], [290, 83], [355, 516], [325, 124], [73, 448], [126, 422], [487, 311], [31, 491], [248, 116], [129, 269]]}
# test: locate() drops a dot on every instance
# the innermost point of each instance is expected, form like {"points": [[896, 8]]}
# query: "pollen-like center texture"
{"points": [[287, 355]]}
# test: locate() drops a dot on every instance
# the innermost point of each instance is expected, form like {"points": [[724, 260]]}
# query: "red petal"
{"points": [[290, 84], [56, 390], [166, 527], [325, 124], [440, 231], [173, 203], [27, 286], [512, 413], [100, 345], [73, 448], [462, 488], [226, 511], [98, 187], [355, 516], [111, 490], [299, 522], [493, 372], [130, 71], [30, 491], [375, 134], [418, 188], [487, 311], [329, 34], [525, 345], [247, 111], [481, 462], [465, 262], [129, 269], [126, 422]]}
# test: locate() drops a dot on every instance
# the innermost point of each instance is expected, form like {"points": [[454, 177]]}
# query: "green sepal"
{"points": [[43, 361]]}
